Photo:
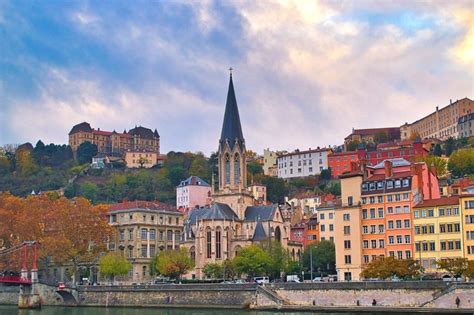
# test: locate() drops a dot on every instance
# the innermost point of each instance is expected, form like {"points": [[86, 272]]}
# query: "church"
{"points": [[216, 233]]}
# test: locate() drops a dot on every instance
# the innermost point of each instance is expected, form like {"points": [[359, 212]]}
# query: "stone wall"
{"points": [[9, 294]]}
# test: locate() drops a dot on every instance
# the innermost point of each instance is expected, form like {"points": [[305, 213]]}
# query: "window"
{"points": [[381, 228], [372, 213], [143, 251], [122, 235], [331, 227], [366, 259], [398, 209], [457, 227], [372, 229], [346, 217], [380, 199], [417, 229], [347, 259], [407, 254], [364, 200], [390, 225], [430, 213], [347, 244], [152, 250], [143, 234], [431, 229], [364, 214], [381, 243], [407, 239], [169, 235], [391, 239], [218, 243], [380, 210], [390, 210], [406, 183], [424, 229], [399, 224], [406, 209], [331, 215], [443, 245], [406, 196], [349, 200], [441, 212], [323, 228], [416, 214], [365, 244], [372, 200], [389, 184], [432, 246], [321, 216], [208, 242], [130, 234], [398, 183], [399, 254], [227, 169], [399, 239], [389, 198], [406, 224], [152, 234], [365, 229], [347, 230], [397, 197], [374, 243]]}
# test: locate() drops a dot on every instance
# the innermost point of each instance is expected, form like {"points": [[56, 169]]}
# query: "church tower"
{"points": [[232, 159]]}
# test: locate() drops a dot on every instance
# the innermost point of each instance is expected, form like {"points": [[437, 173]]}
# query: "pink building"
{"points": [[191, 193]]}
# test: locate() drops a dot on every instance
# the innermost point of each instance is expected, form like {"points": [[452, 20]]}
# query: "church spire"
{"points": [[231, 128]]}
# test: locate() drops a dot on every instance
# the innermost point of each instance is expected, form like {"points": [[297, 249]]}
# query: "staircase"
{"points": [[270, 294]]}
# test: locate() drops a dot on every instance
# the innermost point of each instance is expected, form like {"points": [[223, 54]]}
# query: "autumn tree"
{"points": [[454, 266], [113, 265], [142, 161], [469, 272], [388, 267], [174, 263]]}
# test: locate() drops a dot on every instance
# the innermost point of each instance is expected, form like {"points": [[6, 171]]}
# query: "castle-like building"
{"points": [[216, 233], [138, 139]]}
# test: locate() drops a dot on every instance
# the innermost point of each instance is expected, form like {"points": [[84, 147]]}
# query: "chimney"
{"points": [[388, 168], [450, 101]]}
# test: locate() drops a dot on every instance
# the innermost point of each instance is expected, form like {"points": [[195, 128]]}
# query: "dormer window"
{"points": [[364, 187], [389, 184], [398, 183], [380, 185], [406, 182], [371, 186]]}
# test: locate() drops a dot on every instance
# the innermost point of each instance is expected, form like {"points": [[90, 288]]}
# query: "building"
{"points": [[218, 232], [259, 193], [340, 162], [269, 161], [441, 124], [466, 125], [369, 135], [138, 138], [311, 230], [437, 229], [326, 218], [141, 230], [407, 150], [142, 158], [303, 163], [193, 192], [307, 201], [467, 214]]}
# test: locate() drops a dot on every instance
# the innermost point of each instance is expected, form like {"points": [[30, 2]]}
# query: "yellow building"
{"points": [[467, 214], [438, 231], [141, 159]]}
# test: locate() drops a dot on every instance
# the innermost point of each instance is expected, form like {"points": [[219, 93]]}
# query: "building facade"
{"points": [[303, 163], [193, 192], [141, 159], [408, 150], [369, 135], [437, 229], [340, 162], [216, 233], [141, 230], [466, 126], [326, 218], [467, 213], [138, 138], [441, 124], [259, 193]]}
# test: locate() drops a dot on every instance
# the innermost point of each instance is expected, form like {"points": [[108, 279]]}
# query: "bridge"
{"points": [[28, 280]]}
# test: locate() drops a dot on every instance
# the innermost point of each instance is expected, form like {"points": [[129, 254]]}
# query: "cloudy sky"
{"points": [[305, 73]]}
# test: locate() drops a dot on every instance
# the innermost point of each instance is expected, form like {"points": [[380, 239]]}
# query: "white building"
{"points": [[303, 163], [466, 126]]}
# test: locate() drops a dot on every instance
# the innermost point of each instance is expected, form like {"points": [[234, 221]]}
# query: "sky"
{"points": [[305, 72]]}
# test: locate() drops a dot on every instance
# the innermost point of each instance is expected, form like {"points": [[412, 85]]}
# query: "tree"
{"points": [[174, 263], [142, 161], [254, 168], [200, 167], [461, 162], [113, 265], [277, 189], [325, 174], [213, 270], [469, 272], [454, 266], [333, 188], [449, 146], [86, 152], [388, 267], [90, 191], [414, 136], [439, 163], [324, 256], [380, 137], [437, 150], [176, 175], [253, 261], [280, 259], [353, 145]]}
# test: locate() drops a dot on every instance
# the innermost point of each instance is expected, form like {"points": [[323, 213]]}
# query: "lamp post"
{"points": [[311, 262]]}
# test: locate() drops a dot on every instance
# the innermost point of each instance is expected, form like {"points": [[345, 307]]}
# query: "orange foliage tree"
{"points": [[68, 231]]}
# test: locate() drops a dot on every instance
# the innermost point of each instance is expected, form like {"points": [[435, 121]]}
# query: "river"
{"points": [[57, 310]]}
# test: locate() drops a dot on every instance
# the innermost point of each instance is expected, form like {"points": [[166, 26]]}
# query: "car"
{"points": [[261, 280], [239, 281], [318, 279], [61, 286]]}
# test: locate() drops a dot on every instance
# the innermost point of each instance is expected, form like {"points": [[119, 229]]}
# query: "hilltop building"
{"points": [[220, 231], [303, 163], [193, 192], [369, 135]]}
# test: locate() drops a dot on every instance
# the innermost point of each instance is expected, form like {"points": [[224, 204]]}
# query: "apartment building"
{"points": [[368, 135], [141, 230], [340, 162], [259, 193], [437, 230], [466, 126], [408, 150], [467, 214], [303, 163], [193, 192], [441, 124], [326, 218]]}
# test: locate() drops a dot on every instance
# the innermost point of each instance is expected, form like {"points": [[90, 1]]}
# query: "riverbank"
{"points": [[422, 297]]}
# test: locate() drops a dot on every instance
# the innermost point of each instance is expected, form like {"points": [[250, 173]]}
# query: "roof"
{"points": [[217, 211], [351, 174], [142, 132], [84, 126], [394, 175], [395, 163], [231, 127], [260, 213], [142, 204], [445, 201], [296, 152], [193, 181], [343, 153], [391, 131], [259, 234]]}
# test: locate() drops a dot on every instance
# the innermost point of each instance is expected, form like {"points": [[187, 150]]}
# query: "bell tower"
{"points": [[232, 157]]}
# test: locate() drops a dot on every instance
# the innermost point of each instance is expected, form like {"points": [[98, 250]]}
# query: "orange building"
{"points": [[311, 231], [340, 162], [389, 193]]}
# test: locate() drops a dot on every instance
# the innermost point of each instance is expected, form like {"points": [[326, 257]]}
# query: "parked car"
{"points": [[61, 286], [261, 280], [318, 279]]}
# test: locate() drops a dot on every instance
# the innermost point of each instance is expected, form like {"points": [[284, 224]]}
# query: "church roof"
{"points": [[231, 127], [218, 211], [259, 234], [260, 213]]}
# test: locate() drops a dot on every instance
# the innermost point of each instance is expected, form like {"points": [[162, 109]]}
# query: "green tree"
{"points": [[454, 266], [174, 263], [277, 189], [254, 168], [90, 191], [113, 265], [461, 162], [437, 150], [439, 163], [380, 137], [324, 256], [213, 270], [86, 152], [253, 261], [280, 258], [325, 174], [353, 145], [469, 272], [4, 165], [200, 167], [334, 188], [449, 146], [388, 267], [176, 175]]}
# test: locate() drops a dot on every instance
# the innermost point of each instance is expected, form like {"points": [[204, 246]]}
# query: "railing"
{"points": [[15, 279]]}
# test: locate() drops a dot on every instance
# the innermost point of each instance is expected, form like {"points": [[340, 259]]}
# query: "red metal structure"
{"points": [[24, 249]]}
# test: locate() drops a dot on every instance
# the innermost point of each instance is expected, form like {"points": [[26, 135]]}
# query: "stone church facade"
{"points": [[216, 233]]}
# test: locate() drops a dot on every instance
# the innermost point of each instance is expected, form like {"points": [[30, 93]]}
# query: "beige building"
{"points": [[307, 201], [138, 138], [216, 233], [142, 229], [141, 159], [327, 219], [259, 193], [441, 124], [467, 213], [347, 229], [270, 162]]}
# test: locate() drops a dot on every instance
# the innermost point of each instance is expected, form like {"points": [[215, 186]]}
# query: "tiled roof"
{"points": [[141, 204], [446, 201], [260, 213], [395, 163], [306, 151], [378, 177], [218, 211], [84, 126], [142, 132], [194, 181], [343, 153], [259, 234], [371, 131], [231, 128]]}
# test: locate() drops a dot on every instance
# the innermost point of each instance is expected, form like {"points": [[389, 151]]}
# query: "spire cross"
{"points": [[230, 70]]}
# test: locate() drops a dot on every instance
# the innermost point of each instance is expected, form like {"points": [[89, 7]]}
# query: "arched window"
{"points": [[218, 243], [192, 253], [208, 241], [227, 169], [236, 169]]}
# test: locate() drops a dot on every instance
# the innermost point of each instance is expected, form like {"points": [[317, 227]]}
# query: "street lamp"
{"points": [[311, 262]]}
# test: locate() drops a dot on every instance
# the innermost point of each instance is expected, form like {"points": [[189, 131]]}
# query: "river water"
{"points": [[57, 310]]}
